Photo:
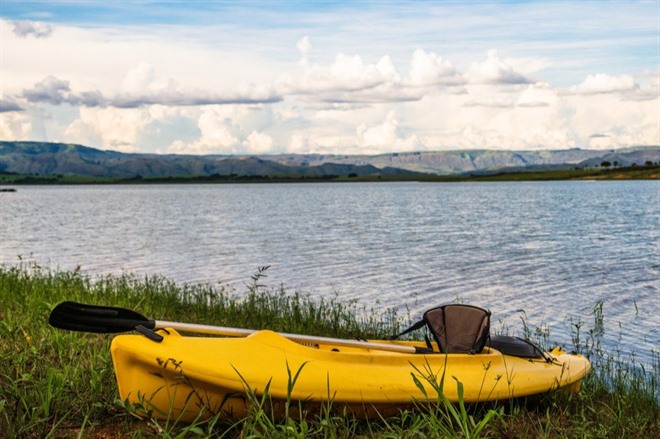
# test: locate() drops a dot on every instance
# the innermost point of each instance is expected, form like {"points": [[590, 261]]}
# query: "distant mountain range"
{"points": [[67, 159], [484, 161]]}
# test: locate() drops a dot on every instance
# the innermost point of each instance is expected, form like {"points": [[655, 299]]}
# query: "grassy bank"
{"points": [[60, 384]]}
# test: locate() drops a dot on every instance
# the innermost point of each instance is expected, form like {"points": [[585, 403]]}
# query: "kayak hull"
{"points": [[186, 378]]}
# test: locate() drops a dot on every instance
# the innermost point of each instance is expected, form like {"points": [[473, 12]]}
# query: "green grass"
{"points": [[623, 173], [56, 383]]}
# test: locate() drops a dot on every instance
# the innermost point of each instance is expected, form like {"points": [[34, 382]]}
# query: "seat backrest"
{"points": [[459, 328]]}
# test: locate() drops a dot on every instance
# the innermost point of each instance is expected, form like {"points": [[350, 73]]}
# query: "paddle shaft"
{"points": [[298, 338], [111, 320]]}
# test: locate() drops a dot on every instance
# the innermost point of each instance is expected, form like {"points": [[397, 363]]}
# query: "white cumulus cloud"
{"points": [[351, 80], [25, 28], [219, 133], [494, 71], [139, 79], [17, 126], [258, 143], [604, 83], [385, 137], [109, 128], [346, 79], [428, 68]]}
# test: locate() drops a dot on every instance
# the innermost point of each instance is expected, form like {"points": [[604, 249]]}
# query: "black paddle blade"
{"points": [[94, 318]]}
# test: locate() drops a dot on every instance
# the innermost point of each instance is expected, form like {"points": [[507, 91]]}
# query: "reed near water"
{"points": [[61, 384]]}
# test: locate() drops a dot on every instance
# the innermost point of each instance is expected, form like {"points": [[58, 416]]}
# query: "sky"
{"points": [[330, 77]]}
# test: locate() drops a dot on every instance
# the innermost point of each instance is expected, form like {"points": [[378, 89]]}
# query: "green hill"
{"points": [[66, 159], [44, 158]]}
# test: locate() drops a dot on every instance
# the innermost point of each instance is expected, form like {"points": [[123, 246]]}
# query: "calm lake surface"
{"points": [[552, 249]]}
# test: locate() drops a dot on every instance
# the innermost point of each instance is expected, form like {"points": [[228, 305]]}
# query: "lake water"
{"points": [[552, 249]]}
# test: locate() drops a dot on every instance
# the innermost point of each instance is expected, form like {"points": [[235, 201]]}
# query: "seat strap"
{"points": [[414, 327]]}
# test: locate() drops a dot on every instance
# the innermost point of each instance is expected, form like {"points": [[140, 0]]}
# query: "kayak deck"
{"points": [[183, 376]]}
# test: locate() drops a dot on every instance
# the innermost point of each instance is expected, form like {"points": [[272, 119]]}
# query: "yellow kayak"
{"points": [[184, 377]]}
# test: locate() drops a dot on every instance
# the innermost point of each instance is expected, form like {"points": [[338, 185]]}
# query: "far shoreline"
{"points": [[620, 173]]}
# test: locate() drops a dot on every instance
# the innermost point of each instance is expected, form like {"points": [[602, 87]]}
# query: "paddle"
{"points": [[109, 319]]}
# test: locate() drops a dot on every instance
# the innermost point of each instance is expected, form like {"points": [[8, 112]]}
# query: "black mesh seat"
{"points": [[456, 328]]}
